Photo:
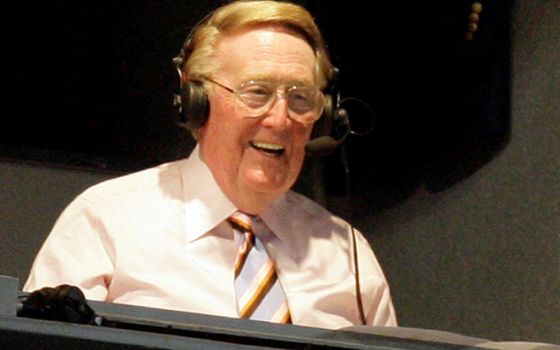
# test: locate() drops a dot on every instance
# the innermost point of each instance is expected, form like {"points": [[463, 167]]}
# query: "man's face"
{"points": [[254, 160]]}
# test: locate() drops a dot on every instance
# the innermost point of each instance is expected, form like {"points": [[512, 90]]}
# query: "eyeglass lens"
{"points": [[256, 98]]}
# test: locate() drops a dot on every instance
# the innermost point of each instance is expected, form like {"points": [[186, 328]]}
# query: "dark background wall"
{"points": [[483, 257], [457, 188]]}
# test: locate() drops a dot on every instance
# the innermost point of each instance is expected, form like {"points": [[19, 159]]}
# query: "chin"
{"points": [[268, 186]]}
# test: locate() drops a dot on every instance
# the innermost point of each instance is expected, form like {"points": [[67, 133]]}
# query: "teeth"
{"points": [[267, 146], [270, 148]]}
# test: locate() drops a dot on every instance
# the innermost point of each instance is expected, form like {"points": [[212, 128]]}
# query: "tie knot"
{"points": [[242, 222]]}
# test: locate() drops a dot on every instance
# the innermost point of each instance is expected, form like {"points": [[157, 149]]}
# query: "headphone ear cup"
{"points": [[323, 125], [194, 104]]}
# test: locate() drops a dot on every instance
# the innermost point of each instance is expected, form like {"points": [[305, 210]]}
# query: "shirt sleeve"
{"points": [[76, 252]]}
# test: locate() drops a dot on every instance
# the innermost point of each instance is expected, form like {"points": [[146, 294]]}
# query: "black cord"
{"points": [[359, 302]]}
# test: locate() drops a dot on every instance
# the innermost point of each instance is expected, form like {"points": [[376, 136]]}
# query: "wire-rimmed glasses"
{"points": [[256, 97]]}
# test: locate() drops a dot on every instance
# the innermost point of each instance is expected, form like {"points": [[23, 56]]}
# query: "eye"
{"points": [[255, 94], [257, 90], [301, 100]]}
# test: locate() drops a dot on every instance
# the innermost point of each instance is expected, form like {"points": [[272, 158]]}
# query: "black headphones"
{"points": [[194, 108]]}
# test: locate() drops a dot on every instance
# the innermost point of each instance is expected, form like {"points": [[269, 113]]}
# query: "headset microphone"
{"points": [[327, 144]]}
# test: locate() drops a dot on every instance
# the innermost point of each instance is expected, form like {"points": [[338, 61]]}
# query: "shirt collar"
{"points": [[206, 206], [278, 218]]}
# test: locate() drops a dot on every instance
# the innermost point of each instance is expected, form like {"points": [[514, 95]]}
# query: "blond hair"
{"points": [[200, 46]]}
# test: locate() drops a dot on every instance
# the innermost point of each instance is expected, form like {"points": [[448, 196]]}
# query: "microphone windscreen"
{"points": [[327, 144], [321, 146]]}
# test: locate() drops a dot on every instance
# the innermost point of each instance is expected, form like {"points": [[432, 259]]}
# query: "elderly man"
{"points": [[220, 232]]}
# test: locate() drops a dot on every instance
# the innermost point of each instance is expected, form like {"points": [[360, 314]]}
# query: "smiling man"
{"points": [[255, 160], [220, 232]]}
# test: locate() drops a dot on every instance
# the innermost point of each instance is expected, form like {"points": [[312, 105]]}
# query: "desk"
{"points": [[133, 327]]}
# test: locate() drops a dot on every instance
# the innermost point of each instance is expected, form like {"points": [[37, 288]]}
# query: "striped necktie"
{"points": [[259, 293]]}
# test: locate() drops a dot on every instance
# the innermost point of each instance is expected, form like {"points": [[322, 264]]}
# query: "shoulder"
{"points": [[162, 178], [306, 212], [303, 206]]}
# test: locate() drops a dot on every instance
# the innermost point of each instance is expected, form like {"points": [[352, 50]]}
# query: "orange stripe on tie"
{"points": [[259, 293]]}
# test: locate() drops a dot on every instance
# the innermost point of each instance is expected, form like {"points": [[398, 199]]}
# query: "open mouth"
{"points": [[269, 148]]}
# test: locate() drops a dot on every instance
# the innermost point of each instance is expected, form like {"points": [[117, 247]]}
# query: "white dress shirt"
{"points": [[158, 238]]}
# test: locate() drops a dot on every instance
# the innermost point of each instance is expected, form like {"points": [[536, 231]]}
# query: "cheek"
{"points": [[219, 136], [301, 137], [299, 141], [223, 123]]}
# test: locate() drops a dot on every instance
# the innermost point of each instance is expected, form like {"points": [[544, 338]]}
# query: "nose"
{"points": [[278, 116]]}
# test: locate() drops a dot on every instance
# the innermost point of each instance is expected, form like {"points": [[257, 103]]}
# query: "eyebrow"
{"points": [[264, 78]]}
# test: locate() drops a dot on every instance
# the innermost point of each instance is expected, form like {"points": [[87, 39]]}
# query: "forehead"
{"points": [[270, 52]]}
